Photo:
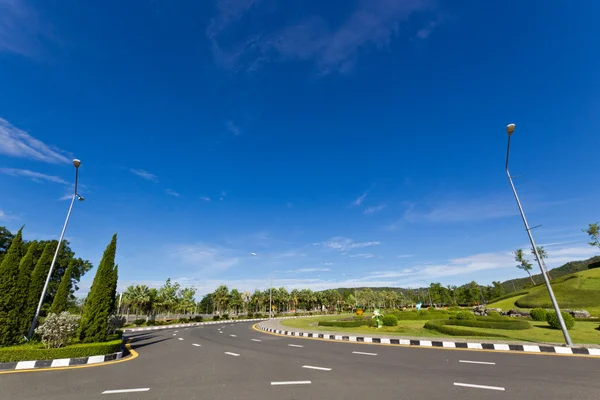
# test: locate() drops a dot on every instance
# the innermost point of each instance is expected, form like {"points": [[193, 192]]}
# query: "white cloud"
{"points": [[34, 176], [207, 199], [359, 200], [5, 217], [144, 174], [341, 243], [233, 128], [327, 263], [15, 142], [374, 209], [362, 255], [307, 270], [206, 257], [405, 255], [171, 192]]}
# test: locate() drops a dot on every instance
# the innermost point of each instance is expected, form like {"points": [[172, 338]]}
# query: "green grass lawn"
{"points": [[580, 290], [582, 333]]}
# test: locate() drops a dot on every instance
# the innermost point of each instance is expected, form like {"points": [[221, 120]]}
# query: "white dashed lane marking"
{"points": [[233, 335], [290, 383], [479, 386], [232, 354], [364, 354], [180, 338], [317, 368], [125, 391], [195, 344], [256, 340], [295, 345], [476, 362]]}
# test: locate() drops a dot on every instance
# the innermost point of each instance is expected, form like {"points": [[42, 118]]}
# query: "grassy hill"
{"points": [[579, 290]]}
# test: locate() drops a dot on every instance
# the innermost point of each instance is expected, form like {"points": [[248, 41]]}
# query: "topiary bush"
{"points": [[198, 318], [38, 352], [344, 324], [250, 315], [493, 314], [216, 318], [139, 322], [389, 320], [465, 315], [443, 326], [539, 314], [552, 319], [225, 316]]}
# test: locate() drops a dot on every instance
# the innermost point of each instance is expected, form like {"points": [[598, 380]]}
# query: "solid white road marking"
{"points": [[175, 331], [232, 354], [195, 344], [256, 340], [233, 335], [317, 368], [479, 386], [125, 391], [295, 345], [180, 338], [290, 383], [365, 354], [476, 362]]}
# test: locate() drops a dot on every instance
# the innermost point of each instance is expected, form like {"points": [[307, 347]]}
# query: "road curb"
{"points": [[507, 347], [59, 362]]}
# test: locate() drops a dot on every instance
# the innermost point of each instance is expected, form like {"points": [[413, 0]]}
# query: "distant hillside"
{"points": [[514, 285]]}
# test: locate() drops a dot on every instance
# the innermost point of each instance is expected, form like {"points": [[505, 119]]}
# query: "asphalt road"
{"points": [[233, 361]]}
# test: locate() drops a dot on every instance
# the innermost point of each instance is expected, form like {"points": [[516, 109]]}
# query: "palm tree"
{"points": [[138, 296], [524, 264], [221, 298], [294, 296], [543, 255]]}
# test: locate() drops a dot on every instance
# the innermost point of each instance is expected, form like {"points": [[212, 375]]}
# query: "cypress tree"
{"points": [[62, 294], [38, 278], [101, 298], [9, 275], [25, 270]]}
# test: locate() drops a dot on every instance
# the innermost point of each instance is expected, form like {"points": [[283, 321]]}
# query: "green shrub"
{"points": [[225, 316], [389, 320], [139, 322], [493, 314], [552, 319], [182, 320], [38, 352], [150, 323], [250, 315], [484, 322], [216, 318], [454, 308], [539, 314], [465, 315], [198, 318]]}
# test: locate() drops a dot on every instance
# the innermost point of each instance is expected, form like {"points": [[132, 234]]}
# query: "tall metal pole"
{"points": [[563, 327], [270, 291], [62, 234]]}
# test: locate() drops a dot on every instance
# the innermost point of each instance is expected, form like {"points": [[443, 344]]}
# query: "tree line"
{"points": [[23, 272]]}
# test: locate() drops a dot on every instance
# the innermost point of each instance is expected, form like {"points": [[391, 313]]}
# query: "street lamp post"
{"points": [[76, 164], [270, 288], [510, 130]]}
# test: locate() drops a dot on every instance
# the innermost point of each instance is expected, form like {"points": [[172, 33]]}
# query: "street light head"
{"points": [[510, 128], [76, 163], [80, 198]]}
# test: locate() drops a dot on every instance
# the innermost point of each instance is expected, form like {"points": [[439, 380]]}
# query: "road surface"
{"points": [[233, 361]]}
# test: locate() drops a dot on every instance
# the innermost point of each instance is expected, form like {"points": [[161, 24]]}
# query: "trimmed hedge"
{"points": [[444, 326], [465, 315], [552, 319], [538, 314], [344, 324], [493, 314], [39, 352], [389, 320], [492, 323]]}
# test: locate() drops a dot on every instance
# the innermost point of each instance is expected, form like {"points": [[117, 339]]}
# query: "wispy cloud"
{"points": [[359, 200], [427, 30], [21, 28], [233, 128], [362, 255], [341, 243], [34, 176], [205, 256], [374, 209], [405, 255], [15, 142], [6, 217], [223, 194], [330, 47], [144, 174], [207, 199], [308, 270], [171, 192]]}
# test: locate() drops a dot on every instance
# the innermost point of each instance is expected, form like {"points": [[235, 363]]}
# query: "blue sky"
{"points": [[364, 138]]}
